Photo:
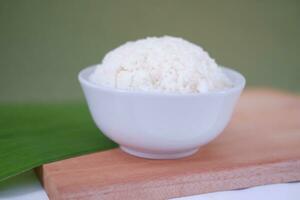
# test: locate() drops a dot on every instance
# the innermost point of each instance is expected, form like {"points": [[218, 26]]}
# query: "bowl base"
{"points": [[158, 155]]}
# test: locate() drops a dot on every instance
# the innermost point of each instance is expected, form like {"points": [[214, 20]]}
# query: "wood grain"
{"points": [[260, 146]]}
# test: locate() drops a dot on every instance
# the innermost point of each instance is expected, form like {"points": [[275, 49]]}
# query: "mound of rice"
{"points": [[163, 64]]}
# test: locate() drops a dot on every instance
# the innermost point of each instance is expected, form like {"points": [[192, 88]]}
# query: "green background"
{"points": [[44, 44]]}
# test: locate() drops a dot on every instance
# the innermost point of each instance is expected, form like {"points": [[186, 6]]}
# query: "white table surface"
{"points": [[27, 187]]}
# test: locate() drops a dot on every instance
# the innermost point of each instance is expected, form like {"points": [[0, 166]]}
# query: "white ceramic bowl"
{"points": [[160, 125]]}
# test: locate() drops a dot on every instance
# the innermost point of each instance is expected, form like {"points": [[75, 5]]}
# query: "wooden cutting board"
{"points": [[260, 146]]}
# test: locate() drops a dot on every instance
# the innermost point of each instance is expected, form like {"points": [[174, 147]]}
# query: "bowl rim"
{"points": [[239, 85]]}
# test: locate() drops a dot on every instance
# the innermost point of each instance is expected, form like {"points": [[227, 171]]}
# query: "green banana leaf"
{"points": [[31, 135]]}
